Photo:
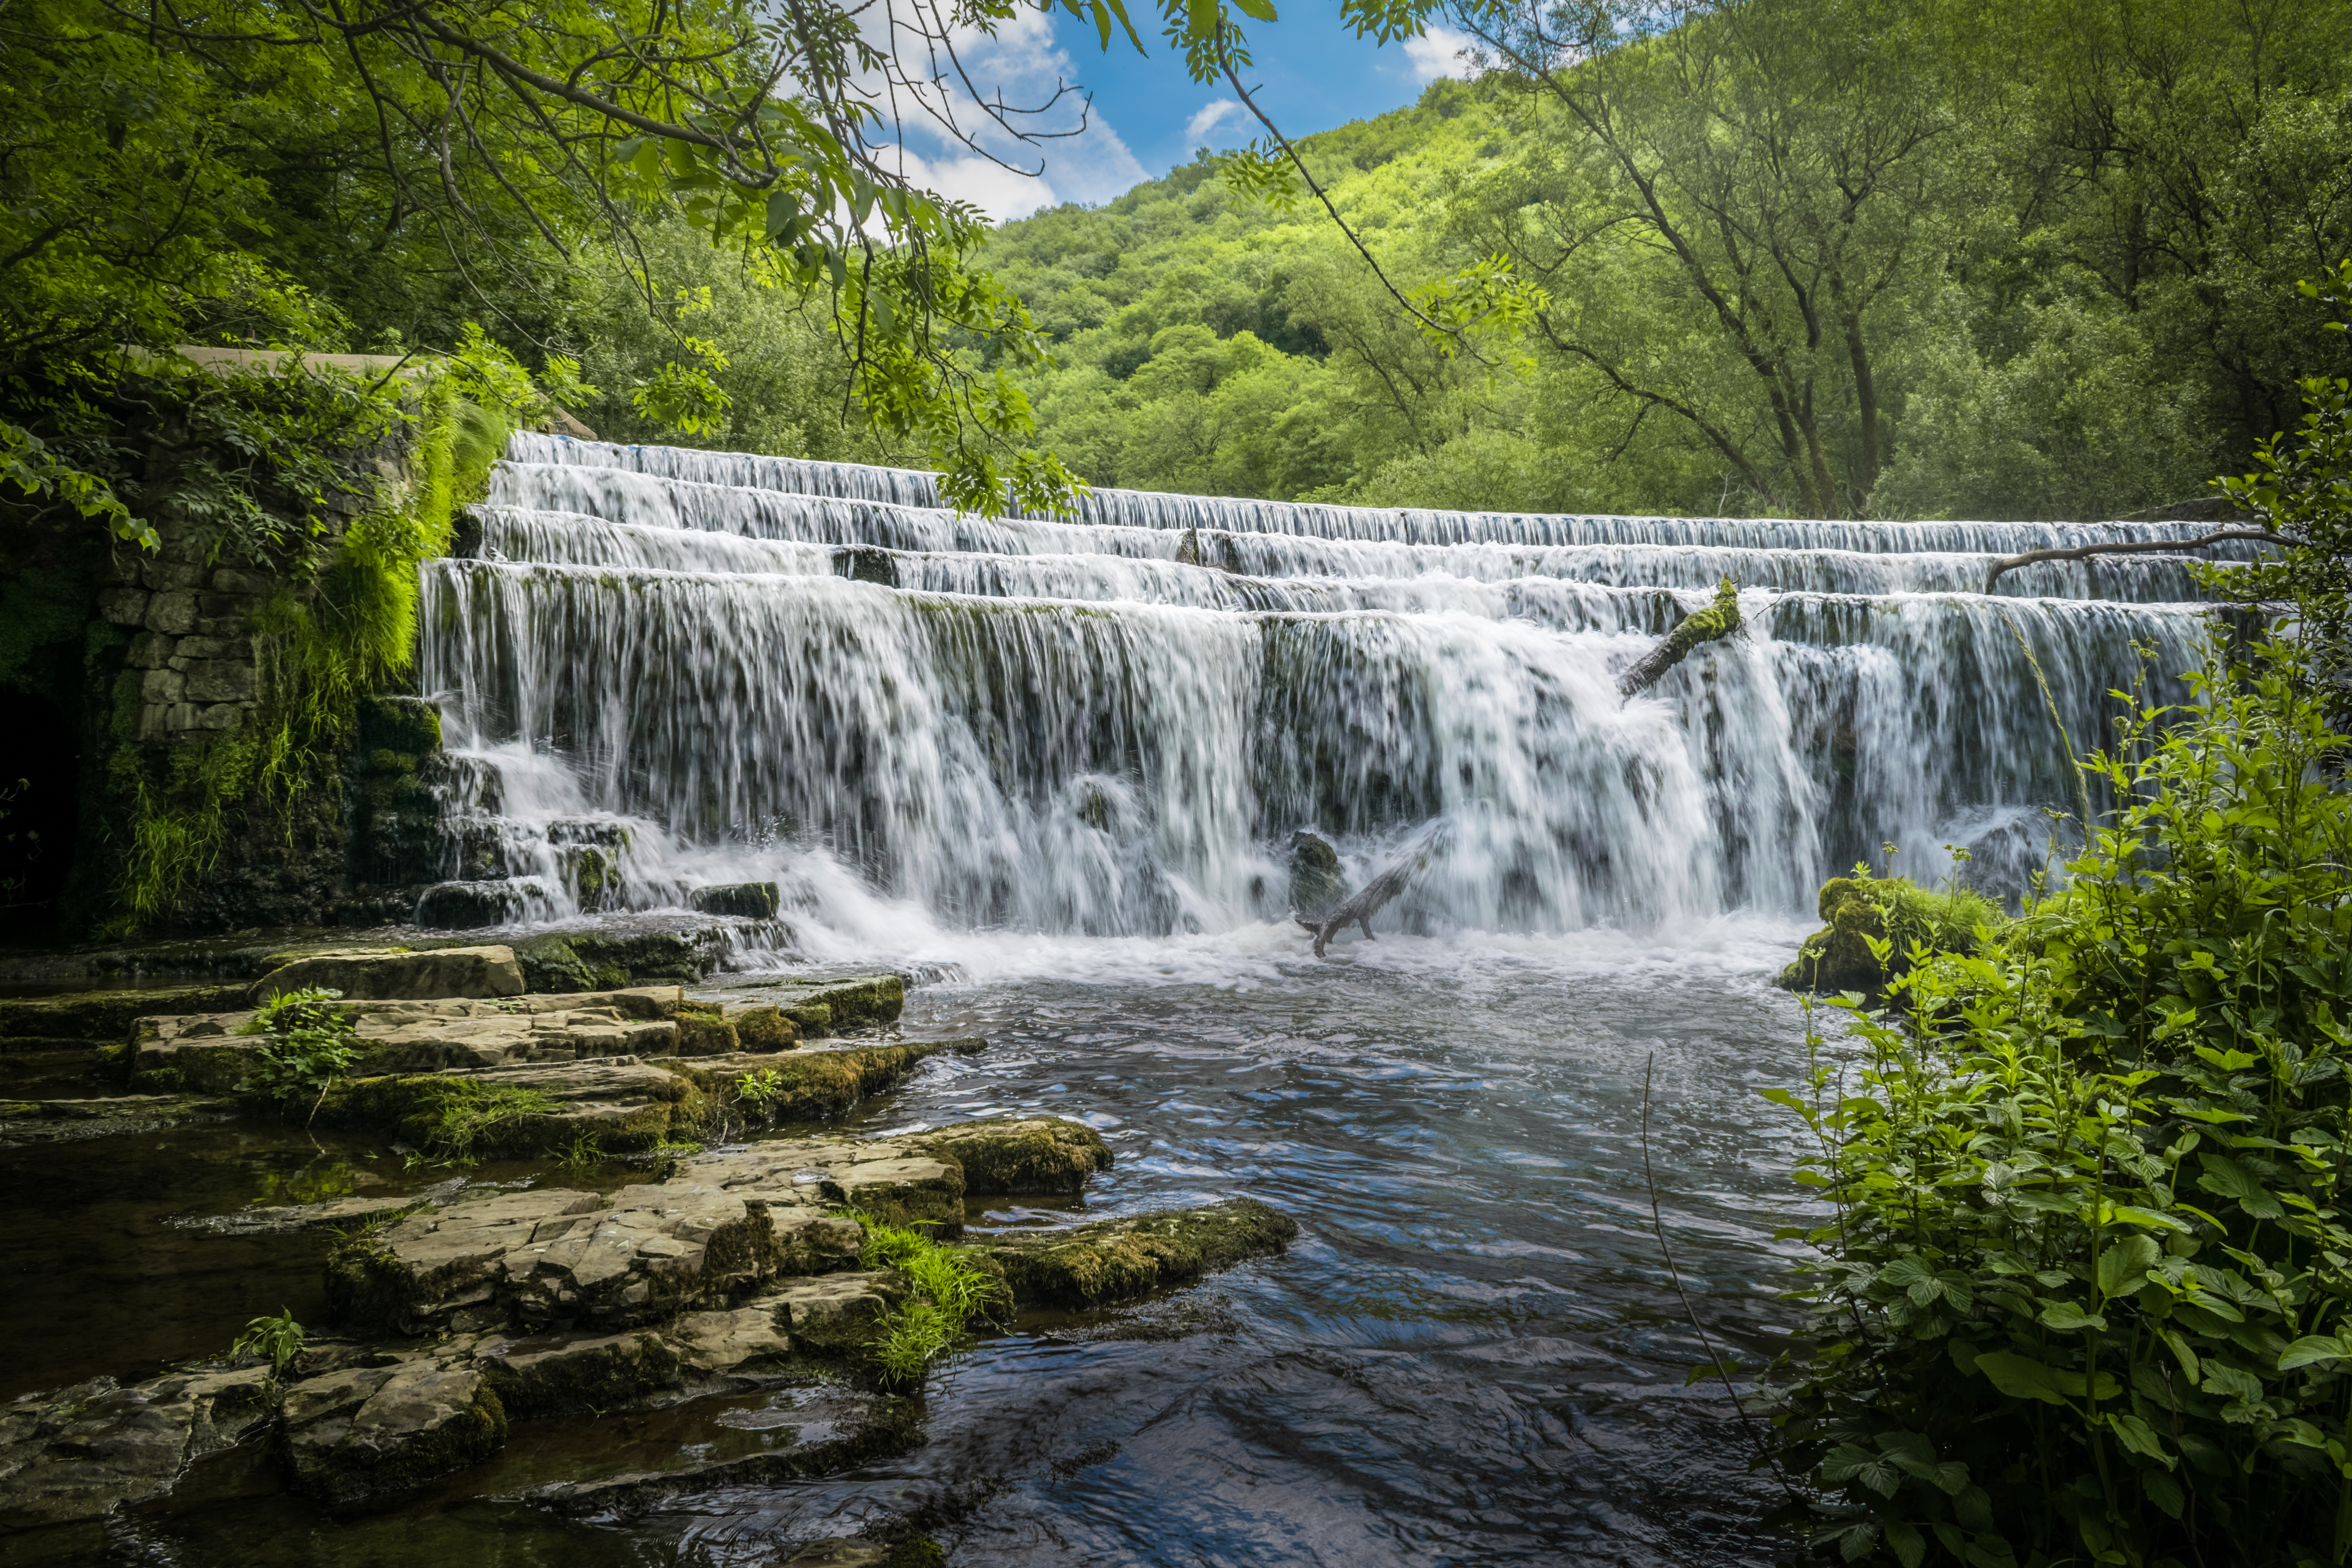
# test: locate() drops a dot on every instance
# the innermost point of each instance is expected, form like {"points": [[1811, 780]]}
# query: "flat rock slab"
{"points": [[1087, 1265], [725, 1226], [829, 1006], [833, 1428], [377, 976], [364, 1431], [810, 1085], [81, 1452], [208, 1052], [108, 1017]]}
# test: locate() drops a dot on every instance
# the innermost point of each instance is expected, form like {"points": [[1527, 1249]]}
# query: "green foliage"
{"points": [[2084, 1292], [2302, 490], [1794, 258], [472, 1116], [279, 1339], [585, 1152], [762, 1090], [950, 1292], [306, 1045]]}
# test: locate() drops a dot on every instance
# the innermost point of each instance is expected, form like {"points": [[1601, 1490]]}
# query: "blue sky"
{"points": [[1148, 115]]}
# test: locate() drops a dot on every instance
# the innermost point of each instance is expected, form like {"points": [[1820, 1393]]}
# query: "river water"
{"points": [[1474, 1352]]}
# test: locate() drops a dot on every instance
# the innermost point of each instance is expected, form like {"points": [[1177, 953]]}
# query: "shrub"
{"points": [[2084, 1295], [306, 1046]]}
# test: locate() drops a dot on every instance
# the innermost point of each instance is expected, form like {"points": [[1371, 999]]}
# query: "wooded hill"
{"points": [[1835, 259]]}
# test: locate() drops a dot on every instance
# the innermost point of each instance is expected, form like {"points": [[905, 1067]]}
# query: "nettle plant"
{"points": [[306, 1045], [2083, 1294]]}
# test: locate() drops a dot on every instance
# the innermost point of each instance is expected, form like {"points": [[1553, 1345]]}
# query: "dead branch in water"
{"points": [[1717, 621], [2134, 547], [1359, 907]]}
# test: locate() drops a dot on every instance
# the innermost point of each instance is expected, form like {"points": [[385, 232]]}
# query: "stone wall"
{"points": [[162, 677]]}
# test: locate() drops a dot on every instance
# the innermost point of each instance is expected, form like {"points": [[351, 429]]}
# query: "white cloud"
{"points": [[1024, 64], [1205, 124], [1435, 53]]}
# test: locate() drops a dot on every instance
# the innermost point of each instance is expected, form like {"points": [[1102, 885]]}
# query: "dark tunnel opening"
{"points": [[40, 786]]}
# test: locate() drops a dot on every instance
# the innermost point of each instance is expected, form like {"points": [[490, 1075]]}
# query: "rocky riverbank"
{"points": [[751, 1259]]}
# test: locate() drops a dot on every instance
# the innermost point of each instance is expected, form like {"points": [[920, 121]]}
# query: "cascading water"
{"points": [[669, 668]]}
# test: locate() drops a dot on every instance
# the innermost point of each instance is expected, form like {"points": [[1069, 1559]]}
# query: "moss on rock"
{"points": [[1045, 1154], [1088, 1265]]}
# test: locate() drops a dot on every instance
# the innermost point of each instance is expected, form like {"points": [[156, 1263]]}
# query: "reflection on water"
{"points": [[1472, 1354]]}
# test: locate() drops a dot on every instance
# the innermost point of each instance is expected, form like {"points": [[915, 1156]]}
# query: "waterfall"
{"points": [[662, 669]]}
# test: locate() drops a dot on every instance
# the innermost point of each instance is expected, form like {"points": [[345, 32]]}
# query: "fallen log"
{"points": [[1359, 907], [1718, 620], [2134, 547]]}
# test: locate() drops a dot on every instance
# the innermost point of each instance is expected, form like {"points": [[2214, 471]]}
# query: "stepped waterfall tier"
{"points": [[711, 667]]}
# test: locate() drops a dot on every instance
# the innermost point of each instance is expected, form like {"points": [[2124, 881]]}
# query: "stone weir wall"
{"points": [[137, 688]]}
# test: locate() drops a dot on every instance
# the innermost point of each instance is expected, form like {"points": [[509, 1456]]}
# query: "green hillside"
{"points": [[1829, 260]]}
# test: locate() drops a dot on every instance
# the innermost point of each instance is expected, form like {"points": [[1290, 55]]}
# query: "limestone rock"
{"points": [[924, 1194], [558, 1373], [108, 1015], [1838, 956], [1085, 1265], [366, 1431], [702, 1031], [81, 1452], [620, 1102], [838, 1312], [761, 1030], [430, 1265], [822, 1007], [1316, 883], [490, 971], [1041, 1154], [738, 1343], [745, 901], [812, 1084]]}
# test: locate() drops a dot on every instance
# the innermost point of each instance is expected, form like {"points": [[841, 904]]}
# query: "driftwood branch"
{"points": [[1717, 621], [1359, 907], [2136, 547]]}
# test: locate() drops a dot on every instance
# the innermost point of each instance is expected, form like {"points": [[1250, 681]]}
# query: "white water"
{"points": [[1042, 727]]}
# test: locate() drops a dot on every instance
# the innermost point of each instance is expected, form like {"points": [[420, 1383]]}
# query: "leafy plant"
{"points": [[472, 1116], [306, 1045], [279, 1340], [950, 1290], [762, 1090], [2084, 1292]]}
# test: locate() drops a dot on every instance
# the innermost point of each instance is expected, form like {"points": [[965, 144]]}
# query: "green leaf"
{"points": [[2022, 1377], [1847, 1462], [1910, 1546], [2124, 1266], [2315, 1350], [2139, 1438], [2163, 1491], [2230, 1382], [1257, 8], [2068, 1318], [2226, 1178]]}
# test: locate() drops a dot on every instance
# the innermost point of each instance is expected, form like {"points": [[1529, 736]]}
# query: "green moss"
{"points": [[1091, 1264], [1860, 909], [463, 1118]]}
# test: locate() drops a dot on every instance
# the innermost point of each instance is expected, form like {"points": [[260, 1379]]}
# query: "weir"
{"points": [[668, 668]]}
